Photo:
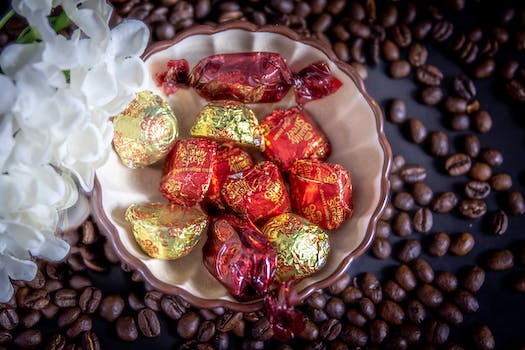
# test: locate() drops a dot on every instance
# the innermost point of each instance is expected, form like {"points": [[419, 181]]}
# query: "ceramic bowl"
{"points": [[351, 119]]}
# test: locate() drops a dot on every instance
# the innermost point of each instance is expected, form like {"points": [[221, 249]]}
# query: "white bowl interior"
{"points": [[345, 116]]}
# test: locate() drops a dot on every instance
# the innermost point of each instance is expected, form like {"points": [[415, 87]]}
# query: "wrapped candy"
{"points": [[145, 131], [321, 192], [240, 257], [249, 77], [302, 247], [166, 231], [258, 193], [187, 173], [228, 161], [228, 121], [290, 135]]}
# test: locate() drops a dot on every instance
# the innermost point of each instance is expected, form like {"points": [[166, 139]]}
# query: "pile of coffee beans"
{"points": [[411, 301]]}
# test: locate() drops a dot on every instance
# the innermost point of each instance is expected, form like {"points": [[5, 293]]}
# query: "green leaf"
{"points": [[67, 74], [6, 18], [60, 22], [28, 35]]}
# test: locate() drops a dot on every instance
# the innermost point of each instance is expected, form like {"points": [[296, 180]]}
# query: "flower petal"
{"points": [[6, 289], [17, 56], [100, 85], [91, 19], [53, 249], [129, 38], [7, 141], [61, 52], [20, 269], [24, 235], [8, 95]]}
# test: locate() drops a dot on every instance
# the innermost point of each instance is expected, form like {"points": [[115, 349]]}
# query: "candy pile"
{"points": [[261, 191]]}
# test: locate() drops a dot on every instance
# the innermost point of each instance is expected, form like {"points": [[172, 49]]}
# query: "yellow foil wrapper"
{"points": [[145, 131], [229, 121], [302, 247], [166, 231]]}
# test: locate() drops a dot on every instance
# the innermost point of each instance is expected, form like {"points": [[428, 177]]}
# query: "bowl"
{"points": [[351, 119]]}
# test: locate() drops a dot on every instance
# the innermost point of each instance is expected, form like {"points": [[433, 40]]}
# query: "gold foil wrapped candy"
{"points": [[229, 121], [302, 247], [145, 131], [166, 231]]}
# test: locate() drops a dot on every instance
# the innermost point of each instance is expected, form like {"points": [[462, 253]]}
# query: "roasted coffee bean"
{"points": [[262, 330], [149, 324], [371, 287], [403, 201], [444, 202], [378, 330], [396, 184], [127, 329], [484, 68], [498, 222], [412, 173], [50, 311], [397, 111], [431, 95], [134, 302], [515, 203], [401, 35], [472, 208], [509, 68], [422, 270], [165, 31], [459, 122], [438, 143], [53, 285], [491, 156], [415, 311], [399, 69], [402, 225], [388, 16], [228, 321], [471, 145], [393, 290], [482, 338], [367, 308], [90, 341], [381, 248], [436, 332], [383, 229], [417, 131], [78, 282], [358, 29], [317, 315], [310, 331], [32, 299], [317, 300], [464, 87], [28, 339], [455, 104], [353, 336], [446, 281], [89, 300], [480, 171], [153, 299], [330, 329], [8, 318], [56, 342], [477, 189], [339, 285], [322, 23], [442, 31], [409, 250], [458, 164], [355, 318], [450, 313], [422, 220], [391, 312], [111, 307], [500, 260], [342, 51], [473, 278], [30, 319], [65, 298], [38, 282], [68, 316], [500, 182], [398, 162], [417, 55], [410, 332], [351, 295], [518, 282], [172, 306], [481, 121], [516, 90], [335, 308], [206, 331], [466, 302], [405, 277], [389, 51], [89, 236], [81, 324], [462, 244], [429, 295], [422, 193], [357, 50], [429, 75]]}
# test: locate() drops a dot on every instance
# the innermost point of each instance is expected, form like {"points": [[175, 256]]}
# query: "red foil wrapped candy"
{"points": [[291, 135], [240, 257], [321, 192], [258, 193], [188, 171], [249, 77]]}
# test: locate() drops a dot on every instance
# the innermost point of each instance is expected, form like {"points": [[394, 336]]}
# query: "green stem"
{"points": [[6, 18]]}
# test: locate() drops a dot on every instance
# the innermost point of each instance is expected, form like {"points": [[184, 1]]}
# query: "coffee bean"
{"points": [[431, 95], [81, 324], [458, 164], [398, 162], [446, 281], [405, 277], [500, 260], [388, 16], [396, 183], [397, 112], [172, 306], [383, 229], [498, 222], [391, 312], [410, 332], [28, 339], [417, 131], [371, 287], [135, 303], [353, 336], [481, 121], [393, 290], [473, 278], [480, 171], [402, 225], [429, 295], [429, 75], [30, 319], [484, 68], [127, 329], [111, 307], [351, 295], [89, 300], [389, 51], [438, 143], [56, 342], [335, 308], [415, 311], [399, 69], [472, 208], [317, 300], [89, 236], [206, 331], [417, 55], [401, 35], [515, 203], [491, 156], [149, 324], [339, 285], [444, 202], [78, 282], [90, 341], [409, 250], [464, 87], [500, 182], [342, 51], [459, 122], [518, 282], [455, 104], [381, 248], [68, 316], [153, 299], [355, 318], [32, 299], [165, 31], [310, 331], [8, 318], [466, 302], [477, 189], [367, 308], [358, 29], [65, 298], [317, 315], [422, 270], [330, 329], [52, 286], [37, 282], [403, 201], [422, 193], [262, 330], [423, 220], [228, 321], [50, 311], [436, 332], [516, 90], [411, 173], [482, 338], [322, 23], [462, 244]]}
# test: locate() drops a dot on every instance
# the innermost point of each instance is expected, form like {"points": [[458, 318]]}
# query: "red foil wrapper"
{"points": [[258, 193], [240, 257], [188, 171], [291, 135], [321, 192], [228, 161], [249, 77]]}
